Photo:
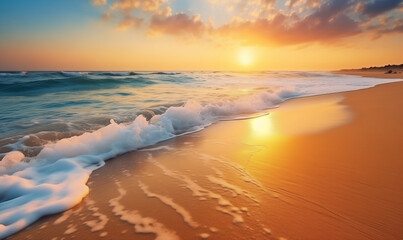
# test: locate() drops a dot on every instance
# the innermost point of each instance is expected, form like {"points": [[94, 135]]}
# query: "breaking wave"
{"points": [[56, 178]]}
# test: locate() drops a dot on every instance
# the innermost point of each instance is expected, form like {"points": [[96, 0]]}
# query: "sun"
{"points": [[245, 57]]}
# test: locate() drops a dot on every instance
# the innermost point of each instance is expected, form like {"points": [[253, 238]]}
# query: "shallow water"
{"points": [[52, 105]]}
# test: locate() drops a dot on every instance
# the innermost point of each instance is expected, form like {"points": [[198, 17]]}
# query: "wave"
{"points": [[74, 82], [80, 74], [56, 178], [133, 73], [37, 83], [117, 74], [74, 74], [165, 73], [12, 74]]}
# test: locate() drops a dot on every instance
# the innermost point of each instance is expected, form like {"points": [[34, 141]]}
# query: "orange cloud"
{"points": [[130, 22], [99, 2], [144, 5], [258, 22], [276, 31], [177, 24]]}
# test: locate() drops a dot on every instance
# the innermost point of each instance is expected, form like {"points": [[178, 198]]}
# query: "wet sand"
{"points": [[324, 167]]}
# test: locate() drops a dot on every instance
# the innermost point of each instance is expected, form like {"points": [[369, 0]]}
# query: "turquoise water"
{"points": [[54, 105]]}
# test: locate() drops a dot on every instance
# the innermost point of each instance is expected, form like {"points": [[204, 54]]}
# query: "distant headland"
{"points": [[386, 71]]}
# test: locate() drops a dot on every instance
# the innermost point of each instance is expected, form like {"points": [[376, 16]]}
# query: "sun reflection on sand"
{"points": [[262, 126], [313, 116]]}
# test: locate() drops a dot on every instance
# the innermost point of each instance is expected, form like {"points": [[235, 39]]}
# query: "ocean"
{"points": [[58, 127]]}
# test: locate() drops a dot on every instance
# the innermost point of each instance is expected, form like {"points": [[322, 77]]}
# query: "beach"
{"points": [[321, 167], [375, 73]]}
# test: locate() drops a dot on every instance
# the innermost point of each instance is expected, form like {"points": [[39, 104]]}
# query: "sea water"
{"points": [[57, 127]]}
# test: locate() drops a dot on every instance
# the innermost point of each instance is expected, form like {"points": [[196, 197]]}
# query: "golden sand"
{"points": [[325, 167]]}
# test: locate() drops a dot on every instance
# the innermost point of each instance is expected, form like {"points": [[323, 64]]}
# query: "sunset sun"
{"points": [[246, 57]]}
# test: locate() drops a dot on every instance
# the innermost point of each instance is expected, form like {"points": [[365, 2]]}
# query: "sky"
{"points": [[236, 35]]}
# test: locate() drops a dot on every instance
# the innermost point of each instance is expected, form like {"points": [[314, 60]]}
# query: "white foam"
{"points": [[74, 74], [237, 218], [43, 226], [169, 201], [102, 218], [168, 148], [70, 229], [204, 235], [233, 188], [13, 74], [267, 231], [141, 224], [118, 73], [63, 217], [106, 142], [56, 179], [221, 182], [203, 194], [39, 190], [245, 175], [10, 160]]}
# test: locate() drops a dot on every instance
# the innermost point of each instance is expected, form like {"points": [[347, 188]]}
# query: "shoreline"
{"points": [[373, 73], [138, 159]]}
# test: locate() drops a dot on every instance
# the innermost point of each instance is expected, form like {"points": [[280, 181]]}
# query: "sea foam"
{"points": [[55, 180], [74, 74]]}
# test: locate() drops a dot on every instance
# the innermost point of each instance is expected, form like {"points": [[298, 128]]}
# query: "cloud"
{"points": [[260, 22], [107, 16], [99, 2], [130, 22], [324, 25], [126, 6], [396, 28], [177, 24], [132, 12], [328, 23], [377, 7]]}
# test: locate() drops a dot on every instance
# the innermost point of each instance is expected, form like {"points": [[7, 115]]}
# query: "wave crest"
{"points": [[56, 178]]}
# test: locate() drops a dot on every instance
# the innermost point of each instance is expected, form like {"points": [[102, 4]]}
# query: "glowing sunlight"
{"points": [[246, 57], [262, 126]]}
